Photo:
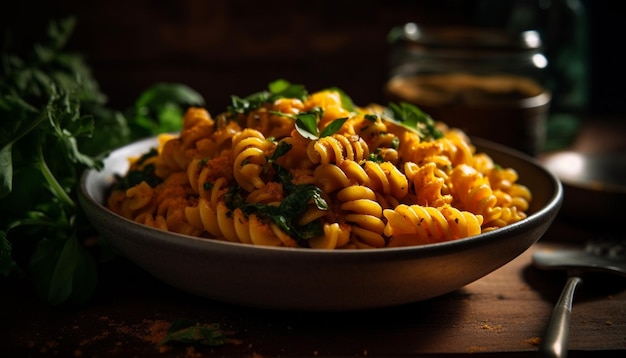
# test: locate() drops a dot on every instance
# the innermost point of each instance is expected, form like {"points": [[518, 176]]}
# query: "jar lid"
{"points": [[459, 37]]}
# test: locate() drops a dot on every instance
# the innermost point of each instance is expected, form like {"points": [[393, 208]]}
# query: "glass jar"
{"points": [[484, 81]]}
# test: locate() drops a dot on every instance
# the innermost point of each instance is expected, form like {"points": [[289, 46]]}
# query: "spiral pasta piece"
{"points": [[298, 157], [409, 225], [387, 179], [335, 236], [249, 151], [197, 126], [429, 183], [381, 143], [364, 214], [330, 101], [139, 198], [337, 148], [474, 193]]}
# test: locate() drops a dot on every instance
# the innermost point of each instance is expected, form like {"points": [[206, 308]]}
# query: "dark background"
{"points": [[221, 47]]}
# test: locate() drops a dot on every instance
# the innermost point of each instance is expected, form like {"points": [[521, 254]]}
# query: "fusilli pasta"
{"points": [[287, 168]]}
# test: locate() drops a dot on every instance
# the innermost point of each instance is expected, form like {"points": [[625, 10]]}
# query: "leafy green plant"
{"points": [[160, 109], [54, 124], [44, 95]]}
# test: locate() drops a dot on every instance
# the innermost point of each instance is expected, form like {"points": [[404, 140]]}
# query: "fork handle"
{"points": [[555, 339]]}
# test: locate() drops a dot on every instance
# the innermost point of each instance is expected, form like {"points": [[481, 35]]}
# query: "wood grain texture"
{"points": [[502, 314]]}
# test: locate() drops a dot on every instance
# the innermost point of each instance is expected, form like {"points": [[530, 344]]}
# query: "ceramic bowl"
{"points": [[320, 280], [594, 186]]}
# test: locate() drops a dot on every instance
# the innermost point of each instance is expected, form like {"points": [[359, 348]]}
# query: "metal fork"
{"points": [[599, 255]]}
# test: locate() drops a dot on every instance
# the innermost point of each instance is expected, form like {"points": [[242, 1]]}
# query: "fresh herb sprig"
{"points": [[134, 177], [287, 214], [307, 123], [412, 118], [281, 149], [188, 332], [296, 201], [277, 89]]}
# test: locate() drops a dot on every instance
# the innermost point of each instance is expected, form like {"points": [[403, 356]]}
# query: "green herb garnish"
{"points": [[135, 177], [307, 123], [281, 149], [346, 101], [376, 156], [277, 89], [187, 332], [333, 127], [233, 198], [286, 214], [412, 118]]}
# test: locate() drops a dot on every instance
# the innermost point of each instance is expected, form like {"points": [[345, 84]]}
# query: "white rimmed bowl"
{"points": [[320, 280]]}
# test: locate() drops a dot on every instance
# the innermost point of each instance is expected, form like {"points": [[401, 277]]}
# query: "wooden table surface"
{"points": [[501, 315]]}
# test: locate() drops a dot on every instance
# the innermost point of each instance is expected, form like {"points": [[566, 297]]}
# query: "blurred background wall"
{"points": [[221, 47]]}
